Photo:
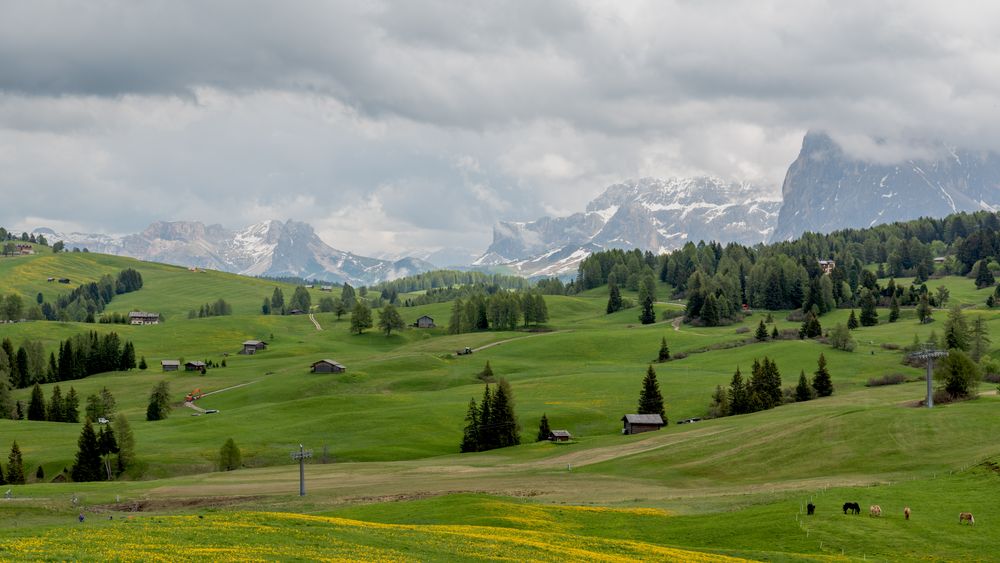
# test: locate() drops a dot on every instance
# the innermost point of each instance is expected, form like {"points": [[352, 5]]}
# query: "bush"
{"points": [[890, 346], [678, 356], [796, 316], [888, 379], [991, 377], [742, 330]]}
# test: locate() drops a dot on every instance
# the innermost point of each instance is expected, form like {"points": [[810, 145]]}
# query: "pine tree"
{"points": [[852, 321], [40, 474], [487, 373], [893, 309], [956, 331], [88, 457], [710, 311], [277, 301], [15, 466], [984, 277], [503, 416], [455, 323], [543, 429], [128, 356], [301, 299], [126, 442], [803, 392], [869, 316], [761, 334], [979, 339], [230, 457], [470, 436], [488, 437], [159, 402], [738, 394], [265, 308], [36, 408], [924, 310], [647, 296], [614, 299], [3, 476], [810, 327], [774, 333], [650, 399], [822, 383], [56, 407], [142, 363], [664, 353]]}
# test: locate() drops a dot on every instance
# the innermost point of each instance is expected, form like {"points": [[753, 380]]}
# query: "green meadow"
{"points": [[386, 480]]}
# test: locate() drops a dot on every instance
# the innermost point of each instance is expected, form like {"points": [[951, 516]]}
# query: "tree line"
{"points": [[79, 356], [491, 424], [440, 279], [504, 310], [763, 390]]}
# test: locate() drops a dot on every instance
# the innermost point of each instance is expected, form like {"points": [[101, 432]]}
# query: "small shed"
{"points": [[560, 436], [328, 366], [195, 366], [827, 266], [424, 321], [251, 347], [326, 288], [143, 318], [170, 365], [638, 423]]}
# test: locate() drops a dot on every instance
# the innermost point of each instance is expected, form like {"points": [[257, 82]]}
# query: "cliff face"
{"points": [[826, 189]]}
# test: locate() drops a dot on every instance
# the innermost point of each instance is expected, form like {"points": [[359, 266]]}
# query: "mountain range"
{"points": [[825, 189], [270, 248]]}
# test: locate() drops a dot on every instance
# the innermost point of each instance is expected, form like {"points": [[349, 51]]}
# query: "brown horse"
{"points": [[875, 510], [906, 512], [966, 517]]}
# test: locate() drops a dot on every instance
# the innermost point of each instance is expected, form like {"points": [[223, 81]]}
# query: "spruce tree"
{"points": [[956, 331], [3, 476], [774, 333], [647, 296], [126, 442], [710, 311], [852, 321], [470, 435], [984, 277], [803, 392], [128, 356], [503, 416], [810, 327], [40, 474], [979, 339], [543, 429], [230, 457], [822, 383], [958, 374], [277, 301], [265, 308], [893, 309], [650, 399], [869, 316], [614, 299], [36, 408], [159, 402], [15, 466], [738, 394], [924, 310], [457, 317], [88, 457], [487, 424], [487, 373], [664, 353], [56, 407], [761, 334]]}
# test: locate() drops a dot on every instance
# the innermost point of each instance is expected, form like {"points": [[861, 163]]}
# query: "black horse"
{"points": [[810, 509], [854, 507]]}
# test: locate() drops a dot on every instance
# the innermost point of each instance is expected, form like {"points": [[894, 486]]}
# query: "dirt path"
{"points": [[676, 323], [492, 344], [312, 318], [191, 405]]}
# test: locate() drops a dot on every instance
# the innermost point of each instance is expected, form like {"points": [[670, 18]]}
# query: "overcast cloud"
{"points": [[392, 127]]}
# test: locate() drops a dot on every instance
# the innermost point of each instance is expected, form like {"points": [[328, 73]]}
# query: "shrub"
{"points": [[679, 356], [742, 330], [888, 379], [890, 346]]}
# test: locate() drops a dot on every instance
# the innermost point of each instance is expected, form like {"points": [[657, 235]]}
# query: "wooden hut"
{"points": [[424, 321], [328, 366], [170, 365], [560, 436], [638, 423], [251, 347], [195, 366]]}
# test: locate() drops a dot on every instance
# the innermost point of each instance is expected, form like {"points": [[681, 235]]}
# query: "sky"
{"points": [[394, 127]]}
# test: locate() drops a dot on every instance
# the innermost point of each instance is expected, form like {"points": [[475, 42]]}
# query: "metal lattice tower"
{"points": [[928, 355]]}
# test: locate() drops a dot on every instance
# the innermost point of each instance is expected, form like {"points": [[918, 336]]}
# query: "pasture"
{"points": [[391, 425]]}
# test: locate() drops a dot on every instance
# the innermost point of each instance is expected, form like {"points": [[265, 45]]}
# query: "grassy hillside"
{"points": [[391, 427]]}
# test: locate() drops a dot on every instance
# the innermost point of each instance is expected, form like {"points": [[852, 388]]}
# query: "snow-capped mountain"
{"points": [[826, 189], [650, 214], [270, 248]]}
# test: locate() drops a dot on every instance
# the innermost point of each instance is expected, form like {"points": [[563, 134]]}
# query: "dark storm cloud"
{"points": [[421, 123]]}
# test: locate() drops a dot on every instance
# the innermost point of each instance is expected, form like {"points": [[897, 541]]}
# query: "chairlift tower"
{"points": [[301, 455], [929, 355]]}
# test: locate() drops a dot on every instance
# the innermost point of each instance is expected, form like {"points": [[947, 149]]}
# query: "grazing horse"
{"points": [[966, 517], [906, 512], [810, 509], [854, 507], [875, 510]]}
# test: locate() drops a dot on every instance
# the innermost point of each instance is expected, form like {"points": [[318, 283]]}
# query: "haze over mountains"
{"points": [[825, 189]]}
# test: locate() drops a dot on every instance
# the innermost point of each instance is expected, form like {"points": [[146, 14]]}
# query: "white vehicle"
{"points": [[103, 420]]}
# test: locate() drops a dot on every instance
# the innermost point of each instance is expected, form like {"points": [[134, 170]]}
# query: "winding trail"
{"points": [[677, 323], [499, 342], [312, 318], [191, 405]]}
